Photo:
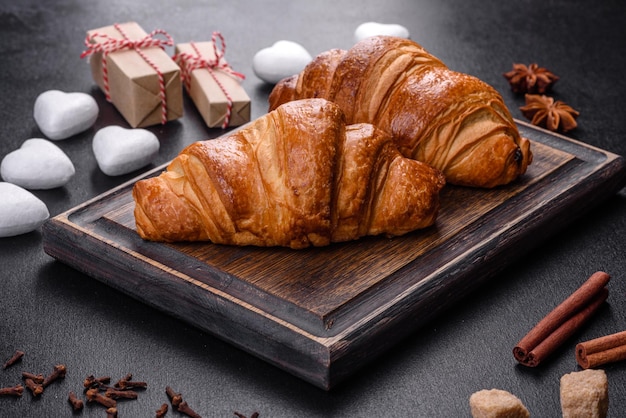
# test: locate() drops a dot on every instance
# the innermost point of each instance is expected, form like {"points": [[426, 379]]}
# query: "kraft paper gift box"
{"points": [[133, 75], [211, 89]]}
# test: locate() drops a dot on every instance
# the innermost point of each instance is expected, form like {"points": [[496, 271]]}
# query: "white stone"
{"points": [[37, 165], [281, 60], [61, 115], [120, 151], [20, 211], [367, 29]]}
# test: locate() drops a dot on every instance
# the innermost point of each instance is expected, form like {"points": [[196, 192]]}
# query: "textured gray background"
{"points": [[58, 315]]}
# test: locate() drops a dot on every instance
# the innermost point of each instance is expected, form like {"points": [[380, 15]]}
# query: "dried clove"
{"points": [[14, 359], [77, 404], [175, 398], [37, 378], [126, 378], [177, 402], [129, 376], [184, 408], [35, 388], [130, 384], [93, 395], [16, 390], [58, 373], [120, 394], [91, 381], [160, 413], [127, 383], [112, 412]]}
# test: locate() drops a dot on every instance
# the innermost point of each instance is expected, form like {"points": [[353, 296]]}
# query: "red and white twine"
{"points": [[192, 62], [111, 44]]}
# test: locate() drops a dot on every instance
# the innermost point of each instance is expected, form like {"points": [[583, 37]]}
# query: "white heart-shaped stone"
{"points": [[60, 115], [367, 29], [20, 211], [120, 151], [37, 165], [283, 59]]}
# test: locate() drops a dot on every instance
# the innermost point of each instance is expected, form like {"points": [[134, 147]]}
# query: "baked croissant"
{"points": [[296, 177], [450, 120]]}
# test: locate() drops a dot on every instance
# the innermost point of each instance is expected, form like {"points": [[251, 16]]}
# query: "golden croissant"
{"points": [[450, 120], [295, 177]]}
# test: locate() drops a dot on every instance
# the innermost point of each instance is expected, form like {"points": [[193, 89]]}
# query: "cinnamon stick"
{"points": [[563, 321], [603, 350]]}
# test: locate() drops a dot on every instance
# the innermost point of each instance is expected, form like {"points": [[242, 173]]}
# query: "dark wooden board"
{"points": [[323, 313]]}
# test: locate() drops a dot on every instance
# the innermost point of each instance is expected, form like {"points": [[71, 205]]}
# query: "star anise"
{"points": [[553, 115], [530, 79]]}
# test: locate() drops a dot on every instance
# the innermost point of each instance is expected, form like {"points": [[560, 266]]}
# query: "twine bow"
{"points": [[111, 44], [195, 61]]}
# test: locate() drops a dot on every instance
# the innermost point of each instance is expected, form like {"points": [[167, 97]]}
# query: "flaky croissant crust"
{"points": [[296, 177], [450, 120]]}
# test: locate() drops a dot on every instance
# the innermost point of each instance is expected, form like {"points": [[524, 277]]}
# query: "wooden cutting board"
{"points": [[321, 314]]}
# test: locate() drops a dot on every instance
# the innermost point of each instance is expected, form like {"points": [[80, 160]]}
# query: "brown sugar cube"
{"points": [[496, 403], [585, 394]]}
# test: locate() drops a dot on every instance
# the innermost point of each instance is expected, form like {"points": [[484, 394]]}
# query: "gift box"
{"points": [[135, 73], [214, 87]]}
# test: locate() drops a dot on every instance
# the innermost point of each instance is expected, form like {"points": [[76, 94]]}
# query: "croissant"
{"points": [[450, 120], [295, 177]]}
